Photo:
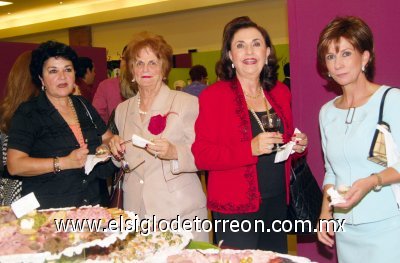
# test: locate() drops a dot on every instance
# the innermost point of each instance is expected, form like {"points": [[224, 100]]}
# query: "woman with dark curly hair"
{"points": [[51, 135], [244, 182]]}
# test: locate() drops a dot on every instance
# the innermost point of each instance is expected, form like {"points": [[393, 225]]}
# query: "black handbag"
{"points": [[305, 198]]}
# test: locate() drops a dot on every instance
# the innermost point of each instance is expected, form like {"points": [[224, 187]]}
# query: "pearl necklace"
{"points": [[138, 103]]}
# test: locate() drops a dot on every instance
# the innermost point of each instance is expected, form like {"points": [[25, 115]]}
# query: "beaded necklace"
{"points": [[138, 102], [76, 127]]}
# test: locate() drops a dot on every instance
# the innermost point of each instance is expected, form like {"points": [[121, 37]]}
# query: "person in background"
{"points": [[86, 73], [348, 123], [244, 183], [51, 135], [179, 85], [162, 179], [286, 71], [198, 75], [111, 92], [19, 88]]}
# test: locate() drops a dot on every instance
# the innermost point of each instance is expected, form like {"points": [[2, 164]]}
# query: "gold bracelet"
{"points": [[56, 165], [379, 186]]}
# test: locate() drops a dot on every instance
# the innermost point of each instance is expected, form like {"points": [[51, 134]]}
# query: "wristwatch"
{"points": [[378, 187]]}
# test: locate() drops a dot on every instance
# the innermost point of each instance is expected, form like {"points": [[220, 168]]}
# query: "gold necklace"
{"points": [[254, 97], [71, 104], [78, 133]]}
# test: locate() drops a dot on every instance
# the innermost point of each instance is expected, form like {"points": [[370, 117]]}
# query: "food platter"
{"points": [[230, 255], [152, 248], [36, 238]]}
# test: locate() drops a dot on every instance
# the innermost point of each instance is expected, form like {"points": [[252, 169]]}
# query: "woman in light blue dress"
{"points": [[348, 123]]}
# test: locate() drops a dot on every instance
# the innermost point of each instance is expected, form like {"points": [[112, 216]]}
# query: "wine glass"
{"points": [[272, 123]]}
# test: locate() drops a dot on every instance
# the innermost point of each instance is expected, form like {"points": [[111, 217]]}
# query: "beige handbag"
{"points": [[377, 152]]}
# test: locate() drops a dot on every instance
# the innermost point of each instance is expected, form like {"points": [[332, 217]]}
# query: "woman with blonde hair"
{"points": [[164, 183], [19, 88]]}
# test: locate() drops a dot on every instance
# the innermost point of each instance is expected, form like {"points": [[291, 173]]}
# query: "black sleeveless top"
{"points": [[271, 176]]}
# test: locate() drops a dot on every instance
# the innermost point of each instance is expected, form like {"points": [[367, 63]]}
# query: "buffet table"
{"points": [[37, 237]]}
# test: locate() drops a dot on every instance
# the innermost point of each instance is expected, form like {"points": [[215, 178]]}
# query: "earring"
{"points": [[363, 69], [43, 88], [233, 66], [133, 80], [266, 62], [329, 75]]}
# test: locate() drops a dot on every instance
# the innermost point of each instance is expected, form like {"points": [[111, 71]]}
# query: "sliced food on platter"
{"points": [[52, 233], [232, 256], [154, 247]]}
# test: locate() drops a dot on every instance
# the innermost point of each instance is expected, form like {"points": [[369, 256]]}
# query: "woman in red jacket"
{"points": [[244, 182]]}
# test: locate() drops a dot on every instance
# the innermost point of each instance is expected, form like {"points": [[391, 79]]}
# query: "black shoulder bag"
{"points": [[305, 198]]}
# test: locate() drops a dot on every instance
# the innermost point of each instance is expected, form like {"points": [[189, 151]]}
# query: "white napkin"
{"points": [[283, 155], [336, 198], [139, 141], [25, 205], [91, 162], [393, 156]]}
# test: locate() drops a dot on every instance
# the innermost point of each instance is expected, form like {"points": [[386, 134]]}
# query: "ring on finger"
{"points": [[303, 148]]}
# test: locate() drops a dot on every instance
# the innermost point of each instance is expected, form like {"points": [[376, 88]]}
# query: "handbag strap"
{"points": [[383, 104], [87, 112]]}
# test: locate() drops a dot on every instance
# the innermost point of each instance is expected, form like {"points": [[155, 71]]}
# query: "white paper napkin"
{"points": [[283, 155], [91, 162], [140, 142], [25, 205], [336, 198]]}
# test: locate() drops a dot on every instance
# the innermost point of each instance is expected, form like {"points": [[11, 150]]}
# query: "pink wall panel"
{"points": [[9, 51], [306, 20]]}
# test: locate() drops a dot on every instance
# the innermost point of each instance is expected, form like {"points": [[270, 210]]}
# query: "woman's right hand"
{"points": [[76, 159], [117, 147], [325, 233], [264, 142]]}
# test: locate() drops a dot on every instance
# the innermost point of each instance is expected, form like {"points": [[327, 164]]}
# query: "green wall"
{"points": [[208, 60]]}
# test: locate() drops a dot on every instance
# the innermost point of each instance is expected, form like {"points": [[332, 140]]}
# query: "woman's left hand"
{"points": [[163, 149], [301, 142], [357, 191], [103, 151]]}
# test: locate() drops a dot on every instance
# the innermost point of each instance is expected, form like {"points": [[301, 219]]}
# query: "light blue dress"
{"points": [[372, 229]]}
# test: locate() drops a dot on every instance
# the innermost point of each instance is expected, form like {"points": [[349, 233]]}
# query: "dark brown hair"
{"points": [[268, 75], [156, 44], [354, 30]]}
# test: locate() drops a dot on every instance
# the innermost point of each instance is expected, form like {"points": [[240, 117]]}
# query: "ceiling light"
{"points": [[3, 3]]}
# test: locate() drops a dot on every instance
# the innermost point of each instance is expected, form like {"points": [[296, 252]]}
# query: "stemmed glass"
{"points": [[272, 123]]}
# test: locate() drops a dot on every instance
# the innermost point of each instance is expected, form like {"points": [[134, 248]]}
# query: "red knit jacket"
{"points": [[223, 145]]}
